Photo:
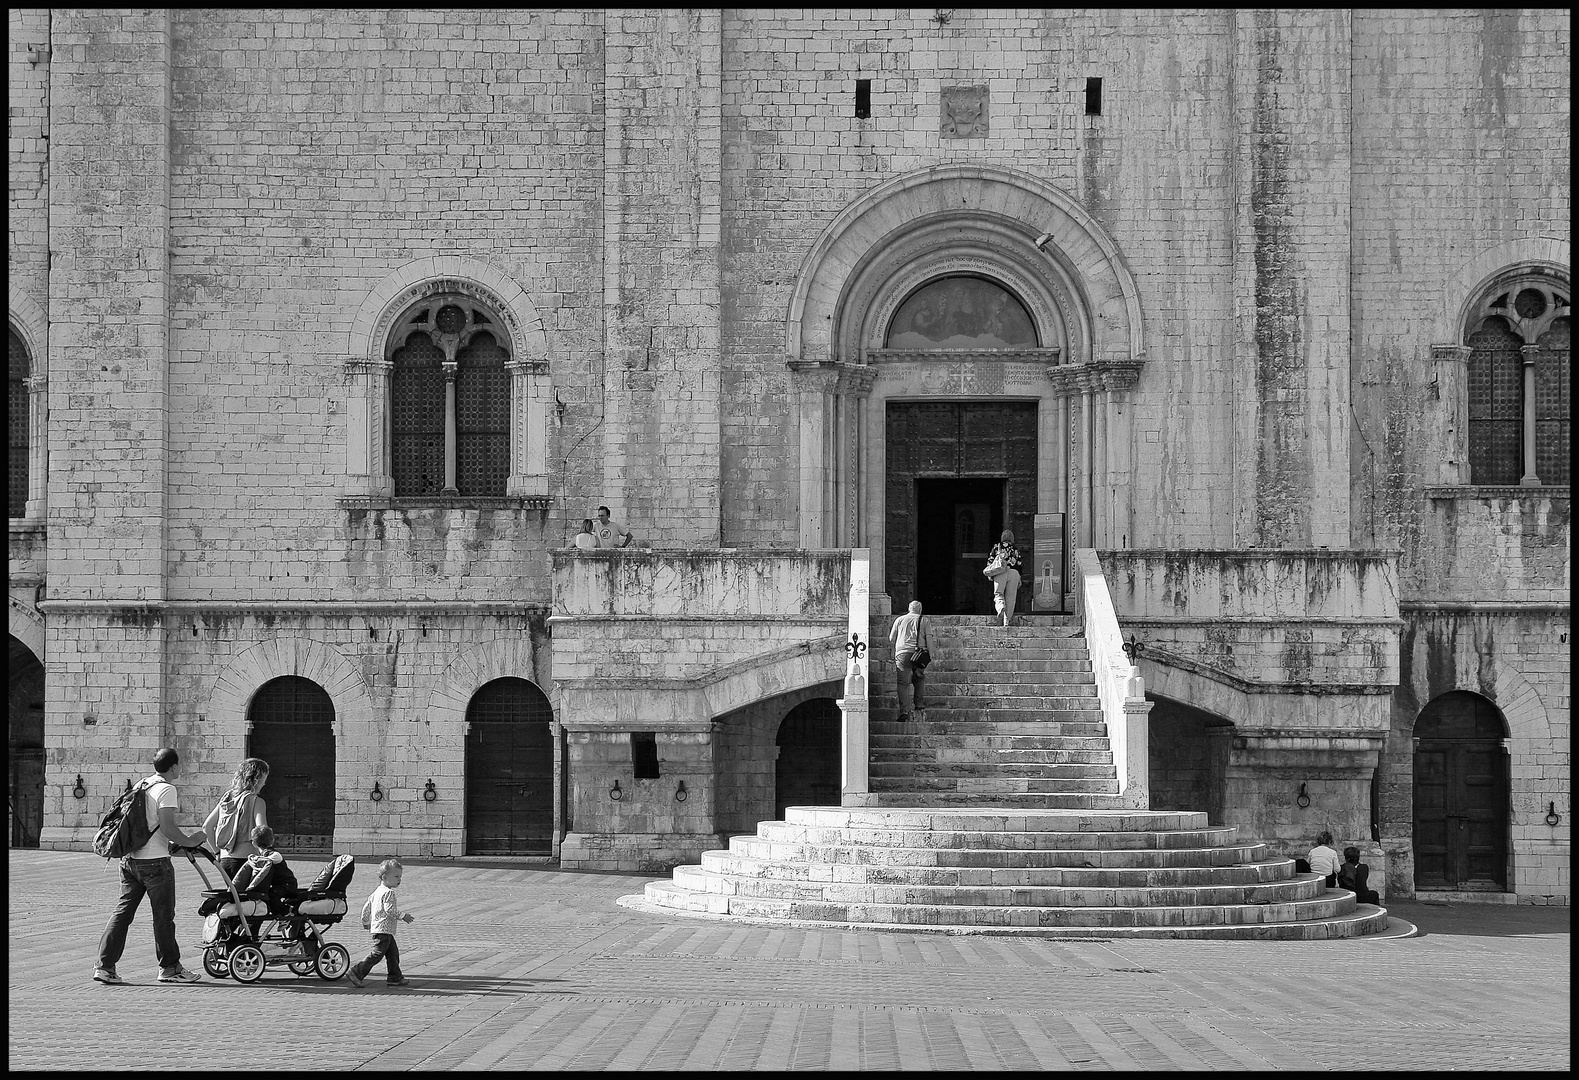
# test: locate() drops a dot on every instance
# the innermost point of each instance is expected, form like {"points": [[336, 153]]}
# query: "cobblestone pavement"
{"points": [[530, 967]]}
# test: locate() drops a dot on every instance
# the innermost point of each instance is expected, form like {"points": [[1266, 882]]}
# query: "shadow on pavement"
{"points": [[1481, 920], [447, 985]]}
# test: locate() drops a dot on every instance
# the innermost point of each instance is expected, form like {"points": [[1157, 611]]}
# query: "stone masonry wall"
{"points": [[27, 131]]}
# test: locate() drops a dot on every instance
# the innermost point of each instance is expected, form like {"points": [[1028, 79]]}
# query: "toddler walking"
{"points": [[381, 914]]}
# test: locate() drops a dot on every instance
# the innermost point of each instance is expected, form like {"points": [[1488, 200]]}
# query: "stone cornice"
{"points": [[832, 375], [954, 356], [1498, 491], [311, 607], [444, 502], [1100, 375]]}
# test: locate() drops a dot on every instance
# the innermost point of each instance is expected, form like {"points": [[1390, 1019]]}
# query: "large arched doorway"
{"points": [[290, 724], [509, 770], [1461, 796], [807, 770], [26, 746]]}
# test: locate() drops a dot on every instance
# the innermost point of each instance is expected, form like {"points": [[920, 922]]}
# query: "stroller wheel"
{"points": [[333, 962], [303, 967], [247, 963], [214, 962]]}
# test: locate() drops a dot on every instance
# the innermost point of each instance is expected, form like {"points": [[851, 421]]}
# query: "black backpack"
{"points": [[125, 828]]}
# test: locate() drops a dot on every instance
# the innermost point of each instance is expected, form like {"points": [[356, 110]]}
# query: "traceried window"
{"points": [[449, 398], [17, 448], [1519, 427], [962, 312]]}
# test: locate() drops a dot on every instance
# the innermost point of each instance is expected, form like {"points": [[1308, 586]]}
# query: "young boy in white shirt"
{"points": [[381, 914]]}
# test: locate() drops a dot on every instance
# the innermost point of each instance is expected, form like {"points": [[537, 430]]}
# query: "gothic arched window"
{"points": [[1518, 384], [962, 312], [449, 400], [20, 418]]}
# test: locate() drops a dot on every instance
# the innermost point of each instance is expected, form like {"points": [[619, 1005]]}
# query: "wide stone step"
{"points": [[929, 724], [738, 863], [999, 784], [1126, 828], [974, 769], [1021, 702], [1003, 801], [934, 715], [1328, 904], [1298, 888], [1311, 920], [1140, 859], [999, 669], [974, 684], [993, 748]]}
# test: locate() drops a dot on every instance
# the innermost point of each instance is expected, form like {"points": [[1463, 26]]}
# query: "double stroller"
{"points": [[246, 929]]}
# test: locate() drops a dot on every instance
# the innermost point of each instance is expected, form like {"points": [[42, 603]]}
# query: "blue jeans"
{"points": [[156, 878], [383, 946]]}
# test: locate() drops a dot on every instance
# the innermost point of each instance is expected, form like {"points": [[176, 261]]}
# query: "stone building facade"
{"points": [[329, 328]]}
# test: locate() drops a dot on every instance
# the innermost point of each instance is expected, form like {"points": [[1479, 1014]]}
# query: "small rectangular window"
{"points": [[644, 754], [1093, 97], [863, 98]]}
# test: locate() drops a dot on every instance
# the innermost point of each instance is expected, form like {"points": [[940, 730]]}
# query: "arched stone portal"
{"points": [[1024, 238]]}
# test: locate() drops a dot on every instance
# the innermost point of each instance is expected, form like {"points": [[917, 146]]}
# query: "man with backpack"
{"points": [[148, 869]]}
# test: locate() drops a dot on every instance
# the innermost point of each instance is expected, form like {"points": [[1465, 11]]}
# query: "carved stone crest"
{"points": [[964, 112]]}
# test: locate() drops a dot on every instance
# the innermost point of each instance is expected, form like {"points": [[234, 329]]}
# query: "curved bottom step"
{"points": [[1365, 920]]}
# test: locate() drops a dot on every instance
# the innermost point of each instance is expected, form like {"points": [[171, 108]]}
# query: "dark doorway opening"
{"points": [[292, 728], [807, 772], [957, 523], [26, 746], [1461, 795], [509, 770]]}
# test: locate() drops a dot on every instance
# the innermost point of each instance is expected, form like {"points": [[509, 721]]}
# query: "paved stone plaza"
{"points": [[531, 967]]}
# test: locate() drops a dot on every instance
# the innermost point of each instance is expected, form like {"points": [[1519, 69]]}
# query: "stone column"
{"points": [[1529, 479], [37, 445], [531, 397], [815, 383], [451, 368], [1451, 398], [850, 478]]}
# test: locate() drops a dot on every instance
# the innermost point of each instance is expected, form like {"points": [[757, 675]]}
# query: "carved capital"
{"points": [[526, 367], [1451, 353], [1111, 376]]}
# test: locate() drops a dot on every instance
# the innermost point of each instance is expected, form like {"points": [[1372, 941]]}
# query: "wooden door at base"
{"points": [[509, 770], [1460, 796], [292, 728]]}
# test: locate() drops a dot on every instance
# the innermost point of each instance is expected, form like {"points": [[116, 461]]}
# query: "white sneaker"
{"points": [[108, 977], [179, 975]]}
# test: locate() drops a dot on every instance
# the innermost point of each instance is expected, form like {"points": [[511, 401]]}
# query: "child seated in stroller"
{"points": [[266, 870]]}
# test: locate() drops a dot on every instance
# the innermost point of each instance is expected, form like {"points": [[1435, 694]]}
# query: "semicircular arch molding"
{"points": [[1515, 696], [307, 658], [432, 276], [1003, 211], [1463, 292], [27, 626], [31, 324], [508, 657]]}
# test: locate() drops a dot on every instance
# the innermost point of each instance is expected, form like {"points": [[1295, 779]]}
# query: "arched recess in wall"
{"points": [[858, 390], [316, 660], [368, 366], [956, 212], [29, 441]]}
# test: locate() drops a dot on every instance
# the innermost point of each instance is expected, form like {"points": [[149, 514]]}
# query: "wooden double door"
{"points": [[959, 473], [509, 770], [1460, 796], [292, 728]]}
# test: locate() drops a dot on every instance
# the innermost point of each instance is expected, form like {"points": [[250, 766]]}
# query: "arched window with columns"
{"points": [[1517, 340], [20, 419], [449, 400]]}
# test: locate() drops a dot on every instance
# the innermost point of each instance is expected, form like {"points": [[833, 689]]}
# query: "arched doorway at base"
{"points": [[25, 746], [1461, 812], [290, 725], [807, 771], [509, 770]]}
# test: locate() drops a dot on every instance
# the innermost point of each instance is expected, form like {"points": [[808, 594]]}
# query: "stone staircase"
{"points": [[997, 811], [1012, 718]]}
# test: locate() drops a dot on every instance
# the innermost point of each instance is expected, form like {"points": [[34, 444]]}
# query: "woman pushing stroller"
{"points": [[230, 825]]}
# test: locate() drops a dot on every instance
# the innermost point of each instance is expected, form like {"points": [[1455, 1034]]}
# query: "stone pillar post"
{"points": [[1529, 479], [367, 429], [531, 397], [856, 704], [815, 384], [450, 434], [1451, 395]]}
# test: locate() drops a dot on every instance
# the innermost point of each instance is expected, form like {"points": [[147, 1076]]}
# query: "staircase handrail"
{"points": [[1118, 681]]}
